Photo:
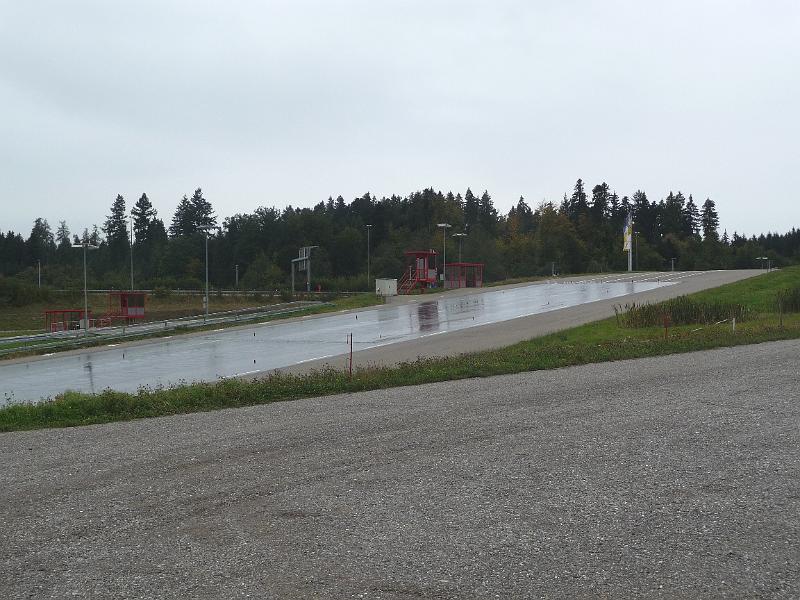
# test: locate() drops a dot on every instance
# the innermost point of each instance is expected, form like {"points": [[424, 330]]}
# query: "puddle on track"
{"points": [[227, 353]]}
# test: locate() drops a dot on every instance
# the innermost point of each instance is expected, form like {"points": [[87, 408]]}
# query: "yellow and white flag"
{"points": [[627, 234]]}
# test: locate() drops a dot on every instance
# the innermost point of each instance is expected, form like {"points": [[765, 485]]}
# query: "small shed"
{"points": [[63, 319], [127, 306], [463, 275]]}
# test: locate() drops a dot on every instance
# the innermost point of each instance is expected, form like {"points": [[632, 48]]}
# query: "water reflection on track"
{"points": [[227, 353]]}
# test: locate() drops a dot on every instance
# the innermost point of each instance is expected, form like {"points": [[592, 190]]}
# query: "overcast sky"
{"points": [[275, 103]]}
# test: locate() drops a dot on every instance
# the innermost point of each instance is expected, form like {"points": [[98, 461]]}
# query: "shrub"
{"points": [[680, 311], [788, 300]]}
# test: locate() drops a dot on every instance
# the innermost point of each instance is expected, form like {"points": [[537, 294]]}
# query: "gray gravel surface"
{"points": [[670, 477]]}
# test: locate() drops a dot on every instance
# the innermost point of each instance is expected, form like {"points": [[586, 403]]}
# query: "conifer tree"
{"points": [[143, 214], [116, 228], [710, 220], [692, 217]]}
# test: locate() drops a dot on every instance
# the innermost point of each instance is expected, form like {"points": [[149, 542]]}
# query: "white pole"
{"points": [[85, 296], [368, 278], [444, 256], [131, 218], [206, 315]]}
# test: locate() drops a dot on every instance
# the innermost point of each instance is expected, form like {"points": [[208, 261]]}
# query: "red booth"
{"points": [[463, 275], [420, 272]]}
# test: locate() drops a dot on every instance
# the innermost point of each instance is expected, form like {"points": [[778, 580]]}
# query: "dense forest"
{"points": [[583, 233]]}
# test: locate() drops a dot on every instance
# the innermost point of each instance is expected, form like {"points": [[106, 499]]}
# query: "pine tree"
{"points": [[710, 220], [116, 225], [600, 200], [41, 242], [202, 213], [487, 214], [692, 217], [143, 214], [94, 237], [182, 223], [62, 234], [470, 208], [577, 204]]}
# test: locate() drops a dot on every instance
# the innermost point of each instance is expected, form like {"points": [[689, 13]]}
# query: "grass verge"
{"points": [[595, 342]]}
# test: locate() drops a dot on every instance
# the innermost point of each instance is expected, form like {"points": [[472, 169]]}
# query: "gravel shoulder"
{"points": [[670, 477]]}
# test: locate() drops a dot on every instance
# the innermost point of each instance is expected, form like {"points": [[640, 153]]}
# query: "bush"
{"points": [[680, 311], [18, 293], [788, 300]]}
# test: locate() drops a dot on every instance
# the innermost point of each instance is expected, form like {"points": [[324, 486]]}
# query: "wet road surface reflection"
{"points": [[227, 353]]}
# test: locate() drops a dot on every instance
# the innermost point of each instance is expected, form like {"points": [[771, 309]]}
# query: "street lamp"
{"points": [[460, 237], [368, 226], [445, 227], [131, 220], [86, 246], [205, 230]]}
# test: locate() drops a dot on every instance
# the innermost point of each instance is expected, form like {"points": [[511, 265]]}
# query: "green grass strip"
{"points": [[592, 343]]}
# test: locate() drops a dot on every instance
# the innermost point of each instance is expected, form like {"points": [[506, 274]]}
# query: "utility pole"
{"points": [[86, 246], [368, 278], [237, 276], [131, 218], [445, 227], [206, 314], [205, 230], [39, 267], [460, 237]]}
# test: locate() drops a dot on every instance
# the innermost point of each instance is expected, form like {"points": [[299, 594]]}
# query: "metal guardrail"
{"points": [[218, 292], [77, 338]]}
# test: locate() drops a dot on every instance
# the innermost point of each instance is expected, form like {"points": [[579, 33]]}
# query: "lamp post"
{"points": [[131, 219], [86, 246], [445, 227], [460, 237], [205, 230], [368, 226]]}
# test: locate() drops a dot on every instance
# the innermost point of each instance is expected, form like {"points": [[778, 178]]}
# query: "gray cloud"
{"points": [[282, 103]]}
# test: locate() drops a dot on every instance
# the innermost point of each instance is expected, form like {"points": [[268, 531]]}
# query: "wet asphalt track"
{"points": [[249, 350]]}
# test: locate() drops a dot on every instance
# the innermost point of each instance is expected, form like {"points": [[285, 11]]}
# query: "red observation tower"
{"points": [[420, 271]]}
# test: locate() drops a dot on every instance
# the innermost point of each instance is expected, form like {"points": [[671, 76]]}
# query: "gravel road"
{"points": [[670, 477]]}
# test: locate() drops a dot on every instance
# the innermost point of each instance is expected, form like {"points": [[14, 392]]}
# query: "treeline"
{"points": [[582, 233]]}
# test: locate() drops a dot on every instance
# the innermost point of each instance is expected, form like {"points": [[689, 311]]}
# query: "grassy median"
{"points": [[601, 341]]}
